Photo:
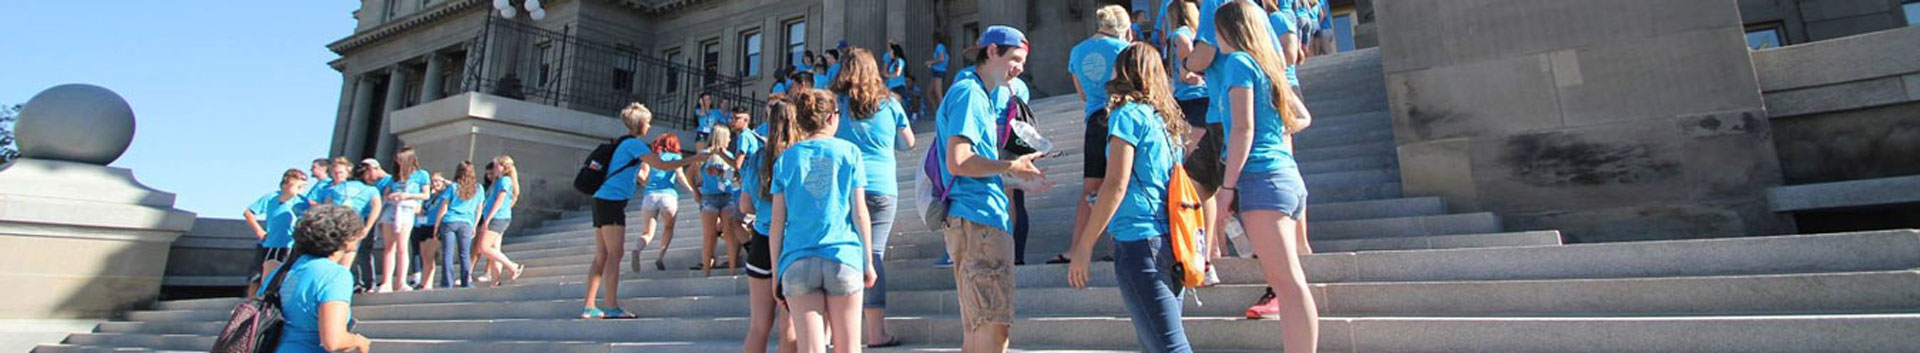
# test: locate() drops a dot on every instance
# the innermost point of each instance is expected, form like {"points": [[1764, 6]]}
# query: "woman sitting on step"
{"points": [[821, 228], [1145, 132], [316, 297]]}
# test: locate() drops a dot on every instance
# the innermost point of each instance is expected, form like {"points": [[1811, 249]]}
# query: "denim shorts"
{"points": [[1281, 191], [821, 276], [659, 201], [715, 202], [499, 225]]}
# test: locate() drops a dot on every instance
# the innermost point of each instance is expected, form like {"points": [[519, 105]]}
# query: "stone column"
{"points": [[396, 96], [343, 117], [361, 116], [833, 23], [434, 80], [1652, 131]]}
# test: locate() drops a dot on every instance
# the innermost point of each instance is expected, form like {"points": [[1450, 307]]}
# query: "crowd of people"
{"points": [[808, 197]]}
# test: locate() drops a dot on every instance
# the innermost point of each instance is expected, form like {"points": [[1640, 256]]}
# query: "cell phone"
{"points": [[1052, 154]]}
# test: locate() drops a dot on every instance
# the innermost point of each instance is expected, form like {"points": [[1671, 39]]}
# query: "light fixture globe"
{"points": [[75, 123], [537, 15], [508, 13], [501, 4]]}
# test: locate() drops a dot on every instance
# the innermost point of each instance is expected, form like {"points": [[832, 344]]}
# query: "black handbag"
{"points": [[255, 325]]}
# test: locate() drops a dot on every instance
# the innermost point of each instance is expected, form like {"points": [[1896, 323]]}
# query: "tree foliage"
{"points": [[8, 150]]}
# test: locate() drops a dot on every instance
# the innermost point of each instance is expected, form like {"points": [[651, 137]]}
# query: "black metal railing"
{"points": [[518, 60]]}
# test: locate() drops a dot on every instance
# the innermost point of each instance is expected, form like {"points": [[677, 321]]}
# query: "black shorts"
{"points": [[760, 257], [260, 257], [1204, 163], [420, 235], [1096, 145], [609, 212]]}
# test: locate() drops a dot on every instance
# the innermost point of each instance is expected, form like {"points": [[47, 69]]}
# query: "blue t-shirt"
{"points": [[715, 184], [875, 136], [818, 178], [427, 216], [897, 64], [1182, 90], [662, 181], [1269, 134], [1142, 213], [968, 113], [1284, 26], [762, 207], [709, 118], [312, 281], [385, 184], [316, 189], [941, 57], [278, 217], [779, 87], [1162, 24], [417, 183], [502, 189], [620, 180], [833, 72], [462, 210], [353, 194], [1092, 65]]}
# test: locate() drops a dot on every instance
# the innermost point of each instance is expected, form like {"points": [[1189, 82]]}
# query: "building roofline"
{"points": [[401, 25]]}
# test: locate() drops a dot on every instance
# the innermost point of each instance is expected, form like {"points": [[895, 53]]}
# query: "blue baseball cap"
{"points": [[1002, 36]]}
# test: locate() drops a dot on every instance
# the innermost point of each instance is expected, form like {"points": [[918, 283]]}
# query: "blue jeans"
{"points": [[882, 208], [1153, 298], [456, 252]]}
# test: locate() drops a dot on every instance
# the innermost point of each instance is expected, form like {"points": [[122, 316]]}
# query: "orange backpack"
{"points": [[1186, 229]]}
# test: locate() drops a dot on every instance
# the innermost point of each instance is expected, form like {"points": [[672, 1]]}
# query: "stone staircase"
{"points": [[1394, 273]]}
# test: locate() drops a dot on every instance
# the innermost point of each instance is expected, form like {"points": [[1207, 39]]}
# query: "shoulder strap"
{"points": [[280, 275], [631, 163]]}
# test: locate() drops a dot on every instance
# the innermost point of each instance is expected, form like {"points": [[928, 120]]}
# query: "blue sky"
{"points": [[226, 94]]}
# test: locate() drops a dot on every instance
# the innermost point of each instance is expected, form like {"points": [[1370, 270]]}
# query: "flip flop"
{"points": [[1058, 259], [891, 342], [592, 313], [660, 265], [620, 314]]}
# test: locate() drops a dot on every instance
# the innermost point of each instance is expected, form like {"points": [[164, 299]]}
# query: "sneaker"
{"points": [[943, 262], [1267, 308]]}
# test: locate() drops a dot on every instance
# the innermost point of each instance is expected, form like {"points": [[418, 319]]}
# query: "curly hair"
{"points": [[1138, 78], [860, 82], [326, 229]]}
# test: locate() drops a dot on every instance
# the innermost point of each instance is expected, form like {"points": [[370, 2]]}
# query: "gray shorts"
{"points": [[820, 276]]}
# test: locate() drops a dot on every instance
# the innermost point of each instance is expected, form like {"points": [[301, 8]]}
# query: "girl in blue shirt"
{"points": [[1144, 146], [610, 209], [1260, 172], [426, 240], [456, 217], [754, 200], [660, 202], [716, 200], [403, 195], [709, 116], [820, 227], [316, 295], [496, 216], [879, 128]]}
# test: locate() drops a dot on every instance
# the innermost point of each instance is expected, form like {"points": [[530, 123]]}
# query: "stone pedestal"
{"points": [[81, 240], [547, 144], [1609, 120]]}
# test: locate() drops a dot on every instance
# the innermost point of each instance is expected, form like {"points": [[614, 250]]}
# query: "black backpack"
{"points": [[255, 325], [593, 172]]}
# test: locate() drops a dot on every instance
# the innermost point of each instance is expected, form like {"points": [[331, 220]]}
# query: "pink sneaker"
{"points": [[1267, 308]]}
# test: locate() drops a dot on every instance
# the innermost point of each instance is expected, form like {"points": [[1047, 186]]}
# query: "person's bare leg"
{"points": [[991, 338], [667, 219], [403, 239], [597, 268], [730, 230], [809, 322], [1300, 233], [499, 260], [843, 313], [1082, 208], [760, 315], [429, 259], [387, 257], [789, 339], [709, 233], [646, 236], [616, 248], [1271, 234]]}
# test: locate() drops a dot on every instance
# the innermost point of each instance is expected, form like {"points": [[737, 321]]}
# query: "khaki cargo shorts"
{"points": [[982, 272]]}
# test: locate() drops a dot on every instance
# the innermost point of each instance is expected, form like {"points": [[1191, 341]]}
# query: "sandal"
{"points": [[891, 342], [592, 313], [620, 314], [660, 264], [1058, 259]]}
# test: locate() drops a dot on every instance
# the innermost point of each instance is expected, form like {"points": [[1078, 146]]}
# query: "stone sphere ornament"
{"points": [[75, 123]]}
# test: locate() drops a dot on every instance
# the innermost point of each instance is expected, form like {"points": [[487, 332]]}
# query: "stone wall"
{"points": [[1608, 120], [1847, 108], [1805, 21]]}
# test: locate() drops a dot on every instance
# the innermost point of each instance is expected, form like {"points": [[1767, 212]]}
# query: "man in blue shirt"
{"points": [[977, 226]]}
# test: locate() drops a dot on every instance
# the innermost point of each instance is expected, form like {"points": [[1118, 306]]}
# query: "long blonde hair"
{"points": [[1244, 26], [407, 162], [860, 82], [1138, 78], [506, 162]]}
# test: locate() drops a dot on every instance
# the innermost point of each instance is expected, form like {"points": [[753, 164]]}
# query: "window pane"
{"points": [[1343, 33], [796, 42], [1763, 38], [1913, 12], [750, 54]]}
